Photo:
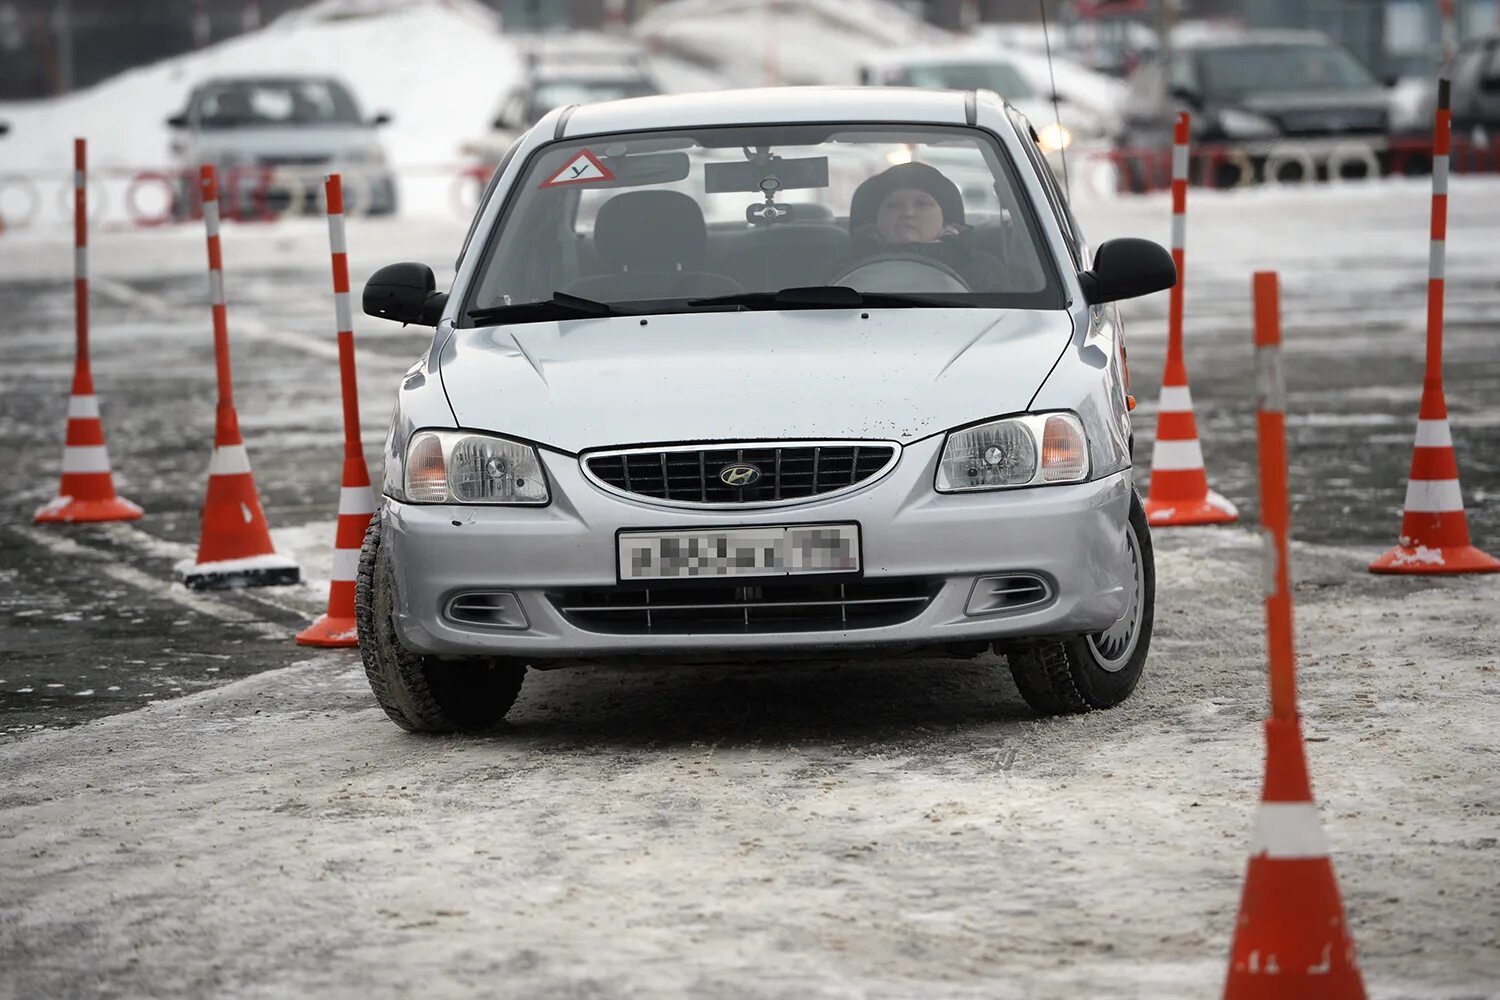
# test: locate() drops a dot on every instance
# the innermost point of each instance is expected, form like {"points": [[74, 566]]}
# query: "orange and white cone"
{"points": [[1179, 492], [1290, 941], [1434, 528], [356, 502], [87, 489], [235, 547]]}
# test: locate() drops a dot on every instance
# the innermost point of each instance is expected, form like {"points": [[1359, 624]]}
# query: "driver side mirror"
{"points": [[178, 120], [1188, 96], [1126, 269], [381, 118], [406, 293]]}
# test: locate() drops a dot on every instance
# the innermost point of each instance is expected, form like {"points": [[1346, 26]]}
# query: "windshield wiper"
{"points": [[818, 297], [560, 306]]}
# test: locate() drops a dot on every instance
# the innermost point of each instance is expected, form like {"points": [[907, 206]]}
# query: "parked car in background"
{"points": [[572, 76], [274, 137], [746, 375], [1476, 90], [1269, 104], [1060, 128]]}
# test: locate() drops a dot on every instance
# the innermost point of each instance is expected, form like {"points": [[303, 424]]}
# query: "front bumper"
{"points": [[1071, 536]]}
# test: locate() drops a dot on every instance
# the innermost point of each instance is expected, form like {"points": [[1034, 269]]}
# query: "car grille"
{"points": [[1315, 123], [788, 472], [719, 608], [294, 160]]}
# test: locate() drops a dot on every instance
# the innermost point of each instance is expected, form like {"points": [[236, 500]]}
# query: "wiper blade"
{"points": [[817, 297], [560, 306]]}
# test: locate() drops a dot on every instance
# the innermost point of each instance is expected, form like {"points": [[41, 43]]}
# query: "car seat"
{"points": [[647, 243]]}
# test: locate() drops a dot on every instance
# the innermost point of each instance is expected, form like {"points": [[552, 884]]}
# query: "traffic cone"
{"points": [[1179, 492], [1290, 940], [234, 549], [356, 505], [1434, 528], [87, 490]]}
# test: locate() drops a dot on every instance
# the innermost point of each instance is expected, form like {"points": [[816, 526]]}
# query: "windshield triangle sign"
{"points": [[584, 168]]}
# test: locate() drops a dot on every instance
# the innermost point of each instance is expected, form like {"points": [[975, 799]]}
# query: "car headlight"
{"points": [[1052, 138], [1239, 124], [1032, 450], [463, 467]]}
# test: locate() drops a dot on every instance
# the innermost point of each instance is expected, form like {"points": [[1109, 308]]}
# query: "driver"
{"points": [[913, 208]]}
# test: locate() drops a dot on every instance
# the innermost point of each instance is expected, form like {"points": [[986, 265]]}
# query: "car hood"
{"points": [[331, 142], [900, 374], [1283, 101]]}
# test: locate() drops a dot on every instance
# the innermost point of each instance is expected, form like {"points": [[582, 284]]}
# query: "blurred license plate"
{"points": [[794, 550]]}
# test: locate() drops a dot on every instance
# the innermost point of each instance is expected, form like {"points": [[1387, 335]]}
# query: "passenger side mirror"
{"points": [[406, 293], [178, 120], [1126, 269], [1490, 84], [1188, 96], [382, 118]]}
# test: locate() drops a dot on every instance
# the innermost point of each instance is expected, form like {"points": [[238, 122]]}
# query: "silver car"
{"points": [[745, 375], [273, 138]]}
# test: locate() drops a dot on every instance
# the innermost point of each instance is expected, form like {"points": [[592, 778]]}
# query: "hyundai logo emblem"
{"points": [[739, 475]]}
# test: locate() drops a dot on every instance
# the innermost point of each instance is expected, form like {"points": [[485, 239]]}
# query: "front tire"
{"points": [[423, 694], [1099, 670]]}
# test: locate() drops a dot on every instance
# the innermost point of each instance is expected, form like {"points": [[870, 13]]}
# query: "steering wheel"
{"points": [[892, 271]]}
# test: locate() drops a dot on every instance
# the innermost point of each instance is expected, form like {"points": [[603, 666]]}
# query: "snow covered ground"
{"points": [[853, 830]]}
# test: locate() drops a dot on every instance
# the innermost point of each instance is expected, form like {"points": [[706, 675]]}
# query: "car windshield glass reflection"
{"points": [[1002, 78], [666, 222], [275, 103], [1282, 68]]}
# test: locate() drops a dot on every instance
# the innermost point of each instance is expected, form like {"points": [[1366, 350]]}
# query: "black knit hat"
{"points": [[865, 204]]}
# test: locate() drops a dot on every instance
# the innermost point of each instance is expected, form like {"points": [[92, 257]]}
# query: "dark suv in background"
{"points": [[1265, 105]]}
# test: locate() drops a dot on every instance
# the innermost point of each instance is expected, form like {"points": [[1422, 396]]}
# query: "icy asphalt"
{"points": [[860, 829]]}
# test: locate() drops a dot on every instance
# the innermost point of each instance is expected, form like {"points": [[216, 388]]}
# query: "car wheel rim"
{"points": [[1113, 647]]}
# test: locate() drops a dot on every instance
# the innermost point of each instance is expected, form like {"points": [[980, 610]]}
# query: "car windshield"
{"points": [[676, 221], [1250, 68], [1000, 77], [557, 93], [271, 103]]}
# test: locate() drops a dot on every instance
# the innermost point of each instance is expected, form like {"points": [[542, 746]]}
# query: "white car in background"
{"points": [[1062, 128]]}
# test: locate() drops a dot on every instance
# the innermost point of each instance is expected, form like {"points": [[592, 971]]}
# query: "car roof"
{"points": [[278, 78], [955, 55], [769, 106], [1247, 39]]}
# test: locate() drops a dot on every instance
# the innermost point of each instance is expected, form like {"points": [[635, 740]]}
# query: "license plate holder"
{"points": [[720, 553]]}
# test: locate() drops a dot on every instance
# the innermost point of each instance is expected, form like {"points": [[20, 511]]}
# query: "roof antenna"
{"points": [[1062, 147]]}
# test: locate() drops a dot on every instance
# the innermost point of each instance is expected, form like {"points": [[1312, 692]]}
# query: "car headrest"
{"points": [[650, 231]]}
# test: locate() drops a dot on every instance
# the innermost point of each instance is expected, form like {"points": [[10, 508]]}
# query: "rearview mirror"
{"points": [[406, 293], [1126, 269]]}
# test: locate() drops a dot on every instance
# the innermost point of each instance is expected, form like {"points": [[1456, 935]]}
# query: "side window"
{"points": [[1059, 203]]}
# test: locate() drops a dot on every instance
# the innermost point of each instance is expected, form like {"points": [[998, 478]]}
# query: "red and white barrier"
{"points": [[1434, 527], [1179, 493], [356, 503], [234, 549], [1291, 940], [87, 489]]}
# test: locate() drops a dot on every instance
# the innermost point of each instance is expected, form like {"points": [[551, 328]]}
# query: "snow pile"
{"points": [[754, 42], [435, 102]]}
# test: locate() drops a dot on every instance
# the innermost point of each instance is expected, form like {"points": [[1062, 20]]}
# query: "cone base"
{"points": [[270, 570], [1213, 509], [1424, 561], [330, 633], [65, 510]]}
